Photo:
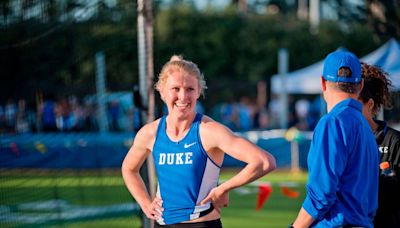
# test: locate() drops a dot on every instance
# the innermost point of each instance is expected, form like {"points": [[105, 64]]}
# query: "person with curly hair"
{"points": [[374, 95]]}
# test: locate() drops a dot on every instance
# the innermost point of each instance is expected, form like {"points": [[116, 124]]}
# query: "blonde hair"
{"points": [[177, 63]]}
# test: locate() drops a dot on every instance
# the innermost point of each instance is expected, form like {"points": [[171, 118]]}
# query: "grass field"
{"points": [[278, 210], [31, 198]]}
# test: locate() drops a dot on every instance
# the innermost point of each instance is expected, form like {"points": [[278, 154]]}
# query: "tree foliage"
{"points": [[54, 52]]}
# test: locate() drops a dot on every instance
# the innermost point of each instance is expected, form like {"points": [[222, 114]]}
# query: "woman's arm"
{"points": [[216, 137], [137, 154]]}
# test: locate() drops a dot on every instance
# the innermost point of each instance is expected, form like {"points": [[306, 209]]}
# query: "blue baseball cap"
{"points": [[335, 60]]}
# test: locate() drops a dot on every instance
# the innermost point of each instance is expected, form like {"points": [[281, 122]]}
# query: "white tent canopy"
{"points": [[306, 80], [388, 58], [303, 81]]}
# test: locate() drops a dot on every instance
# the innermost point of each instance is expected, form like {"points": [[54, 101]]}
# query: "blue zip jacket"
{"points": [[343, 164]]}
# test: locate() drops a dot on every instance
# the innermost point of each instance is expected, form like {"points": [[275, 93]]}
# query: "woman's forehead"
{"points": [[181, 76]]}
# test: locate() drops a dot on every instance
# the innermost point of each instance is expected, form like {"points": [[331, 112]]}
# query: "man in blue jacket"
{"points": [[343, 161]]}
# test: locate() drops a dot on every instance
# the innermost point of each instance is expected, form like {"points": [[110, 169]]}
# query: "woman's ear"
{"points": [[371, 104], [362, 85], [161, 92]]}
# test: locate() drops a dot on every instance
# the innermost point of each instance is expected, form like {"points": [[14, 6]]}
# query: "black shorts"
{"points": [[208, 224]]}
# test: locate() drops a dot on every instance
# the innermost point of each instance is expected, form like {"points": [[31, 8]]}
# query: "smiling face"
{"points": [[180, 93]]}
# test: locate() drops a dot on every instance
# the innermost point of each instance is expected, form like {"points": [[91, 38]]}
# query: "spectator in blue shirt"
{"points": [[343, 161]]}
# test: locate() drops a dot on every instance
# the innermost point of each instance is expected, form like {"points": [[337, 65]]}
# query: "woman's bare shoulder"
{"points": [[206, 119], [149, 130], [210, 121], [208, 124]]}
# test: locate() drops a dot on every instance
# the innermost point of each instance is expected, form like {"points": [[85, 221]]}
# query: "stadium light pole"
{"points": [[283, 65], [101, 91], [146, 76], [314, 15]]}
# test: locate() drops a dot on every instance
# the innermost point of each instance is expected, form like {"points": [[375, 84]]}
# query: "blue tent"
{"points": [[306, 80]]}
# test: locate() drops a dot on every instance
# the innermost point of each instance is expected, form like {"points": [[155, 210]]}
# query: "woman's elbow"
{"points": [[125, 169], [269, 163]]}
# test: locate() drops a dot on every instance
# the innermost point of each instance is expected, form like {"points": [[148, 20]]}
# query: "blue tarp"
{"points": [[92, 150], [59, 151]]}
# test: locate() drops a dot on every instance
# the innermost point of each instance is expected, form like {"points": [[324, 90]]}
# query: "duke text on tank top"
{"points": [[185, 172]]}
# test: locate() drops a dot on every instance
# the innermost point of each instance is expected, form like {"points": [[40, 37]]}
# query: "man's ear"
{"points": [[323, 83]]}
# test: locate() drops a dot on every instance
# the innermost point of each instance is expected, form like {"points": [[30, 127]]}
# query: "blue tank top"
{"points": [[185, 174]]}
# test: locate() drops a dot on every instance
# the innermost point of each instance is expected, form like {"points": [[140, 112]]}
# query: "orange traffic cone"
{"points": [[289, 192], [264, 191]]}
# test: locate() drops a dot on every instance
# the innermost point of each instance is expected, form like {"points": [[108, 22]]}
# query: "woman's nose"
{"points": [[182, 94]]}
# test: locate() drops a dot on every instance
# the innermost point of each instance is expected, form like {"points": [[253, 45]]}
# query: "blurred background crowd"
{"points": [[48, 49], [70, 114]]}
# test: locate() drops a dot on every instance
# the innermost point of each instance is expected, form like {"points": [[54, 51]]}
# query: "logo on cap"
{"points": [[338, 59]]}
